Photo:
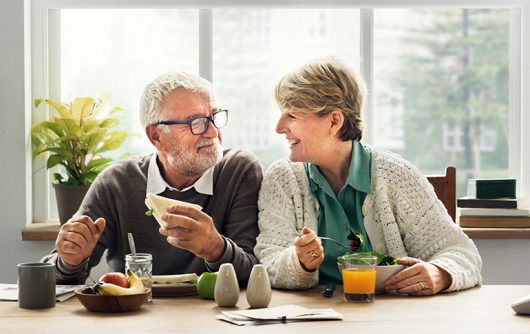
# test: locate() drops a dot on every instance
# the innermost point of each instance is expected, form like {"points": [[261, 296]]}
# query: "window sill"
{"points": [[40, 232], [49, 231], [497, 233]]}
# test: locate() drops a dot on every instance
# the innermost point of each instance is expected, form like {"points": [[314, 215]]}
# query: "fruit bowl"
{"points": [[124, 303], [382, 274]]}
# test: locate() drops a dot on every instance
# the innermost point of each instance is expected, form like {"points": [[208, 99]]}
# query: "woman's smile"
{"points": [[293, 142]]}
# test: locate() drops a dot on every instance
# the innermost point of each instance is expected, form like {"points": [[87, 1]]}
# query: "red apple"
{"points": [[115, 278]]}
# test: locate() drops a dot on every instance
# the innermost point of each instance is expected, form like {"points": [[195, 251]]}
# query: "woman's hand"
{"points": [[420, 278], [309, 249]]}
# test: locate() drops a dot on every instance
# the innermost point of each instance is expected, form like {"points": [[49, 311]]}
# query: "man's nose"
{"points": [[211, 131]]}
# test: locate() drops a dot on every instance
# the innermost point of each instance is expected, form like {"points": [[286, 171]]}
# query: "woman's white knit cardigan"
{"points": [[402, 217]]}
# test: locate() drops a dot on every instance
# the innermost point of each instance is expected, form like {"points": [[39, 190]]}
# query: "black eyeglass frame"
{"points": [[207, 120]]}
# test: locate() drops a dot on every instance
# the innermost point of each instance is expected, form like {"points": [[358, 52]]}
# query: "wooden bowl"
{"points": [[98, 303]]}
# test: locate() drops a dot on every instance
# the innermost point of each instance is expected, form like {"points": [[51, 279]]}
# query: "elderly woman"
{"points": [[334, 184]]}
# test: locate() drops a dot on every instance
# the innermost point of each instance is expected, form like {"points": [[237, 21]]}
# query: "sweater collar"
{"points": [[157, 185]]}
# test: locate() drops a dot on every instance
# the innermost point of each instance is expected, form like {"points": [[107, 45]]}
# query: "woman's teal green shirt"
{"points": [[342, 213]]}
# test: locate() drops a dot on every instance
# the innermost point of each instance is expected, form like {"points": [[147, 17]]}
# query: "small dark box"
{"points": [[491, 188]]}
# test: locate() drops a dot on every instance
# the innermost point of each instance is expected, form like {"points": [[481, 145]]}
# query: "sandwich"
{"points": [[158, 206], [175, 279]]}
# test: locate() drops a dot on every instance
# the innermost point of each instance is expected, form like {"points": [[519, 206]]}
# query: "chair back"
{"points": [[445, 188]]}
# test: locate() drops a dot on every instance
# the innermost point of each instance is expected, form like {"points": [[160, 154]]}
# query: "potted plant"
{"points": [[74, 140]]}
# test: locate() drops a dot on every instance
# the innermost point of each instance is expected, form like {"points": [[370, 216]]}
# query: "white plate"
{"points": [[174, 290]]}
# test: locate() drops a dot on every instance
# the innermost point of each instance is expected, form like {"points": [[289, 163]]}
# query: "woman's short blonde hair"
{"points": [[324, 86]]}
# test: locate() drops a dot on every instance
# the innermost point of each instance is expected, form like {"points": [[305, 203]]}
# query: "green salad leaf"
{"points": [[356, 241], [357, 247], [382, 259], [149, 212]]}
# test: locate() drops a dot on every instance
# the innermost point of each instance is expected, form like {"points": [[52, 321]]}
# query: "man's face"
{"points": [[178, 148]]}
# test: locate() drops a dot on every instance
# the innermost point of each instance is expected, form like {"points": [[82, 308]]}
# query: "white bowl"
{"points": [[382, 273]]}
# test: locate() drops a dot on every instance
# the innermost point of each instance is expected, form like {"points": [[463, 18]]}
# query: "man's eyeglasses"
{"points": [[200, 125]]}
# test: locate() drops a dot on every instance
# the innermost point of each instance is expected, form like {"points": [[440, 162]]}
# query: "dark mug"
{"points": [[36, 285]]}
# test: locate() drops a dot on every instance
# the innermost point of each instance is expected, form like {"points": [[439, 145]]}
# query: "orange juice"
{"points": [[359, 284]]}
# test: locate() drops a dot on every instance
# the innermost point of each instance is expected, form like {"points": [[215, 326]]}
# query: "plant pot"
{"points": [[69, 199]]}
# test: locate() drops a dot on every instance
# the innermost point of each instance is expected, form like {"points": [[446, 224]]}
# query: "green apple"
{"points": [[206, 285]]}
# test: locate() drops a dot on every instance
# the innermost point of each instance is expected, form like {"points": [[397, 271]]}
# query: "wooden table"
{"points": [[479, 310]]}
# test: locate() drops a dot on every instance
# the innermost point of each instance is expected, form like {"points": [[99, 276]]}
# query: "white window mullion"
{"points": [[523, 91], [45, 33], [515, 151], [205, 44], [367, 69]]}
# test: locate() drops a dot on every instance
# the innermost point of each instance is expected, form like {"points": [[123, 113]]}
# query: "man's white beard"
{"points": [[208, 152]]}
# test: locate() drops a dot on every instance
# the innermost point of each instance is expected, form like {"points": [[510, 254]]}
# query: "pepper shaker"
{"points": [[226, 292], [259, 291]]}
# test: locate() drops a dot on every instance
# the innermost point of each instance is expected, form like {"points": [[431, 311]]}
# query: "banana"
{"points": [[135, 286]]}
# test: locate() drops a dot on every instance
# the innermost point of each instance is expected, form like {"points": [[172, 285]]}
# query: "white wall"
{"points": [[504, 260]]}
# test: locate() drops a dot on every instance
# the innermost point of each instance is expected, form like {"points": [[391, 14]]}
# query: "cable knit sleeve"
{"points": [[285, 206], [415, 222]]}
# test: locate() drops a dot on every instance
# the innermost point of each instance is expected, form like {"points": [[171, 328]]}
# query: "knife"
{"points": [[328, 292]]}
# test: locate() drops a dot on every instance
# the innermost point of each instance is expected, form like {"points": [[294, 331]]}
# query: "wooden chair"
{"points": [[445, 188]]}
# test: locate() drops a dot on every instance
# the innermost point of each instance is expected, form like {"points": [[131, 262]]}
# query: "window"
{"points": [[264, 45], [431, 68], [441, 88]]}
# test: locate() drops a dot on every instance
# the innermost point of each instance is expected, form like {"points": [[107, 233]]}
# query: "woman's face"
{"points": [[307, 135]]}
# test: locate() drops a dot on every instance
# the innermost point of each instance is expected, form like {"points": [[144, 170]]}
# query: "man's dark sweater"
{"points": [[118, 195]]}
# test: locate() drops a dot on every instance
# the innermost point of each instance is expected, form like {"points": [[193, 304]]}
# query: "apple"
{"points": [[206, 285], [115, 278]]}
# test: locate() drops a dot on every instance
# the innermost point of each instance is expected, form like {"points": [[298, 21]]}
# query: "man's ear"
{"points": [[153, 133], [336, 118]]}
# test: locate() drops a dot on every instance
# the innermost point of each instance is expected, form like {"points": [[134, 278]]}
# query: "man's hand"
{"points": [[77, 239], [420, 278], [309, 249], [193, 230]]}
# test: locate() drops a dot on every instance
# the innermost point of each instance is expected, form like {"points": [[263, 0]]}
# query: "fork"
{"points": [[335, 241]]}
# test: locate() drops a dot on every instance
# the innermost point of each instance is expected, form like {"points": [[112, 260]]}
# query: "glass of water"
{"points": [[142, 265]]}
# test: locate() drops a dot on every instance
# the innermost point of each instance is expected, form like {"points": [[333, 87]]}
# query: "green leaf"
{"points": [[54, 127], [58, 178], [108, 123], [62, 109], [115, 110], [54, 160], [149, 212], [75, 138], [114, 141], [82, 108], [101, 104], [95, 164]]}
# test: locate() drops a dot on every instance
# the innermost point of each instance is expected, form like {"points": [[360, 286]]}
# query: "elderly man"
{"points": [[183, 122]]}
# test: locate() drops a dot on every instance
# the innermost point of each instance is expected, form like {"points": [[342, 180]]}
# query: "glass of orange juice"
{"points": [[358, 277]]}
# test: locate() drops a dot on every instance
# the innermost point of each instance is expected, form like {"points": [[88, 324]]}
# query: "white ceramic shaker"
{"points": [[226, 292], [259, 291]]}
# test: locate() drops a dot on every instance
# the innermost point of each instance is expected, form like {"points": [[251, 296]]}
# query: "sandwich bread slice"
{"points": [[158, 206], [175, 279]]}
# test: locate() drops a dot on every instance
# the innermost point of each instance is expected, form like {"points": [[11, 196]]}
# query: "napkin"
{"points": [[285, 313]]}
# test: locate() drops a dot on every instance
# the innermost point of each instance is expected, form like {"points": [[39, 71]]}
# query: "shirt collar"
{"points": [[156, 183], [358, 174]]}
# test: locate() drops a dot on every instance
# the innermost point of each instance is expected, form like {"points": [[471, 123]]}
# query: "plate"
{"points": [[173, 290]]}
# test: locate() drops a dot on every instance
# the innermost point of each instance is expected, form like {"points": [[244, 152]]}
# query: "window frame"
{"points": [[45, 39]]}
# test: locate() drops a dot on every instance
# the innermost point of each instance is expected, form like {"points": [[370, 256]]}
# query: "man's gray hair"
{"points": [[151, 110]]}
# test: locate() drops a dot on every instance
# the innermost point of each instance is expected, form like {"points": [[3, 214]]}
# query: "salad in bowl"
{"points": [[386, 265]]}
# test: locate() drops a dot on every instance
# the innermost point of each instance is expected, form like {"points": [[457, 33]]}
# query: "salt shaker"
{"points": [[226, 292], [259, 291]]}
